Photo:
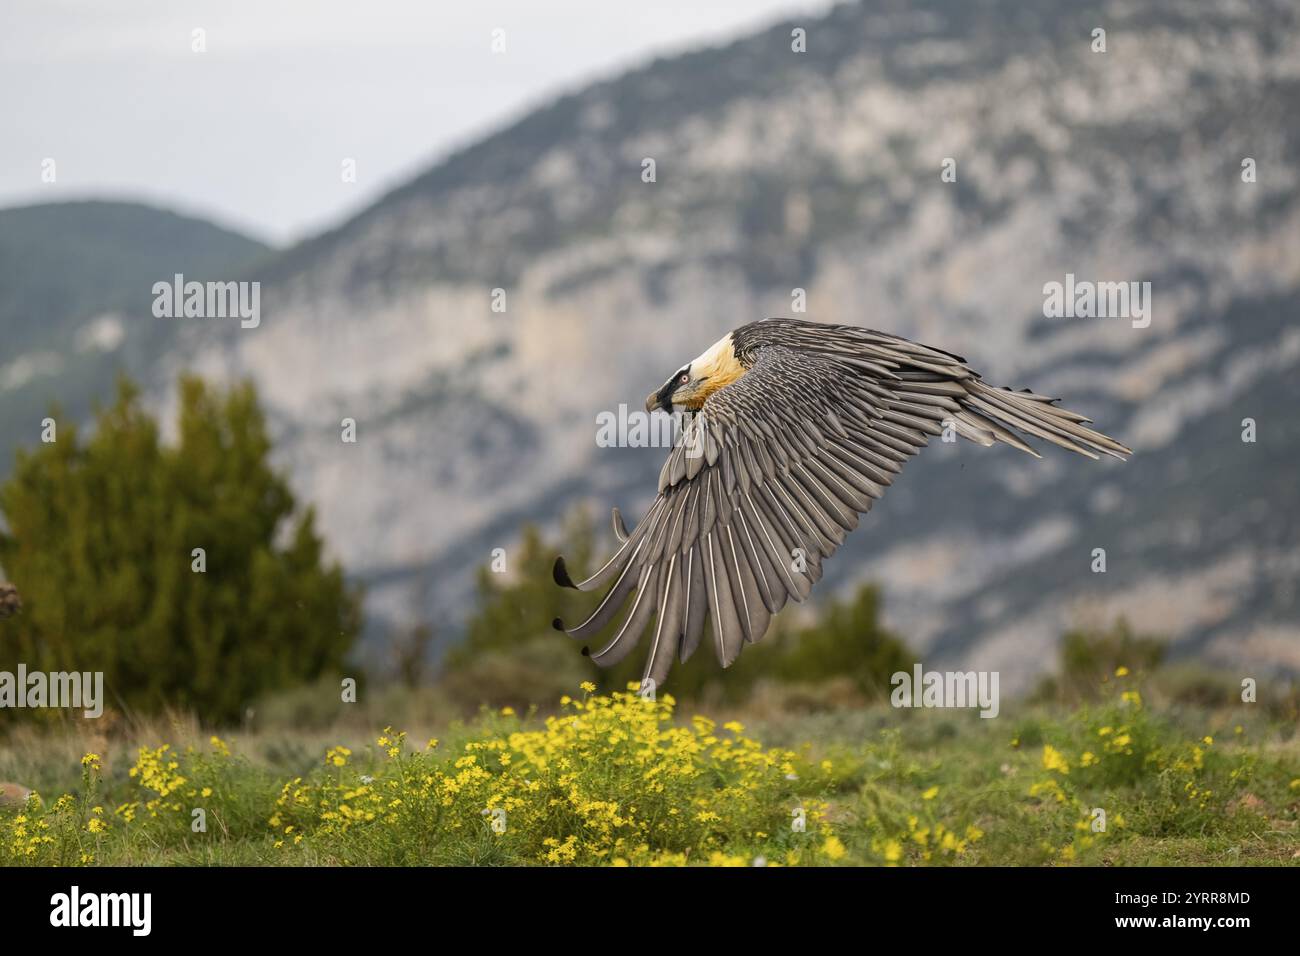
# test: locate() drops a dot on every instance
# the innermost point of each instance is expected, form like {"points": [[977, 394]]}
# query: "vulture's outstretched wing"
{"points": [[771, 475]]}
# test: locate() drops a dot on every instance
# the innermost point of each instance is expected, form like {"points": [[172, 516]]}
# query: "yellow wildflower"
{"points": [[1053, 760]]}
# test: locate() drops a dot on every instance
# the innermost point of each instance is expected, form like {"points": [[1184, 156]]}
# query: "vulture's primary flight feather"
{"points": [[797, 429]]}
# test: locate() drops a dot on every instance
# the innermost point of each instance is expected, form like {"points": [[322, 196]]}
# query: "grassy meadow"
{"points": [[613, 779]]}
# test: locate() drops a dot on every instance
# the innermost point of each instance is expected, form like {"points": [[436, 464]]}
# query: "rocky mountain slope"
{"points": [[821, 171]]}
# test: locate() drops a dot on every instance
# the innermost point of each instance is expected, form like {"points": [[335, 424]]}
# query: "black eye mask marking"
{"points": [[665, 394]]}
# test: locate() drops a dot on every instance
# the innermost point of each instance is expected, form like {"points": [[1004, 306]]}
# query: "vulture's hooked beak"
{"points": [[661, 399]]}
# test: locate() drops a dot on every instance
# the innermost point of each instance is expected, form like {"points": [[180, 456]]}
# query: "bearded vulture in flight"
{"points": [[795, 429]]}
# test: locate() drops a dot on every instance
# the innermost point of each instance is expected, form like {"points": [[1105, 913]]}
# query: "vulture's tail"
{"points": [[990, 415]]}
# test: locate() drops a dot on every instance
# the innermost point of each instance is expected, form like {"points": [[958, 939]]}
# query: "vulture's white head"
{"points": [[716, 368]]}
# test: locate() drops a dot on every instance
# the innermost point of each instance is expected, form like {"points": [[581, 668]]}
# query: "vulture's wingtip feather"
{"points": [[620, 529], [561, 574]]}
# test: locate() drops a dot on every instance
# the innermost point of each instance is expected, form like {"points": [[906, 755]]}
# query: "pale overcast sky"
{"points": [[252, 132]]}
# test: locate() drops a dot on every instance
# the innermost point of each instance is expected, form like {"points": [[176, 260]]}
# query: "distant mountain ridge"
{"points": [[820, 171], [75, 281]]}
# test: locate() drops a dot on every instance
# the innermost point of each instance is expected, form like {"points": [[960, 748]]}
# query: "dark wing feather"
{"points": [[773, 472]]}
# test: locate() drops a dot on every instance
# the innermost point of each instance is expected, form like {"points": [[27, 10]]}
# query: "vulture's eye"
{"points": [[683, 378]]}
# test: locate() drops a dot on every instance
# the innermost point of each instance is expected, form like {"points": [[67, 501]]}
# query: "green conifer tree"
{"points": [[186, 573]]}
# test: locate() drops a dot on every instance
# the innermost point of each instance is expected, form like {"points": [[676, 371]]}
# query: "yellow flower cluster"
{"points": [[40, 835], [174, 781], [608, 779], [26, 834], [157, 770], [925, 841]]}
